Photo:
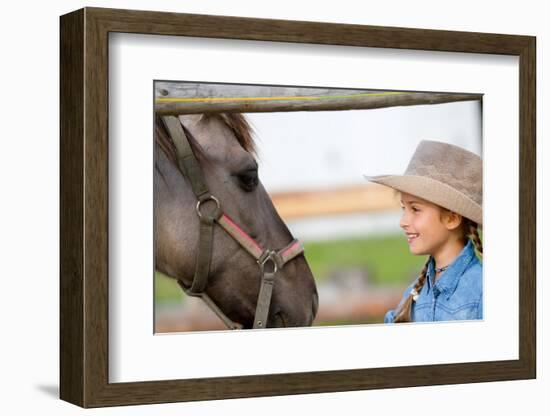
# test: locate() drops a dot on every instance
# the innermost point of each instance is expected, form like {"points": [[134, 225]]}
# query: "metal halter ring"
{"points": [[211, 197], [270, 256]]}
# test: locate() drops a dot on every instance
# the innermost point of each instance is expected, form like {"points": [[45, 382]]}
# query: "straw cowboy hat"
{"points": [[444, 174]]}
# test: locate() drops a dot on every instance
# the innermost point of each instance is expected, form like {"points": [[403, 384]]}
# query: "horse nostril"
{"points": [[280, 320]]}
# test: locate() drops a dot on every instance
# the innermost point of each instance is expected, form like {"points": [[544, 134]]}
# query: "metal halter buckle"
{"points": [[211, 197], [270, 256]]}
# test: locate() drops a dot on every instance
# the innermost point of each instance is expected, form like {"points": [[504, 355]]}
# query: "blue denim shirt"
{"points": [[457, 294]]}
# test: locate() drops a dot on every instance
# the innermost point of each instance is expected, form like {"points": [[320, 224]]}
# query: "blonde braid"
{"points": [[404, 314], [474, 236]]}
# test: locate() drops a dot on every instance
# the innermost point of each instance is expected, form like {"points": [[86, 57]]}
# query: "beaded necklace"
{"points": [[441, 269]]}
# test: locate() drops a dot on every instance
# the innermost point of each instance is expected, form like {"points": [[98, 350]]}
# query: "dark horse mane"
{"points": [[236, 122]]}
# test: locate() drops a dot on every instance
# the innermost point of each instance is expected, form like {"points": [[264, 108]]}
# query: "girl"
{"points": [[441, 196]]}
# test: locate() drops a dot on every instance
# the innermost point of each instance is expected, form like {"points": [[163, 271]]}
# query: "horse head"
{"points": [[223, 146]]}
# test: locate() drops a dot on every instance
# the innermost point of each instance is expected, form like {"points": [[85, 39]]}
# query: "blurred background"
{"points": [[349, 227]]}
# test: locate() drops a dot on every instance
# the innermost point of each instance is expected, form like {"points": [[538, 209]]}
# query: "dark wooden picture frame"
{"points": [[84, 207]]}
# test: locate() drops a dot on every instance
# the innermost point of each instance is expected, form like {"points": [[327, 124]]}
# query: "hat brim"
{"points": [[433, 191]]}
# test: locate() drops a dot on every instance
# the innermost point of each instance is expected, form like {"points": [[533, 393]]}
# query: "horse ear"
{"points": [[189, 120]]}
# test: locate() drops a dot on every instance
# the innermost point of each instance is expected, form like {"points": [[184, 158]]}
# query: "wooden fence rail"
{"points": [[172, 98]]}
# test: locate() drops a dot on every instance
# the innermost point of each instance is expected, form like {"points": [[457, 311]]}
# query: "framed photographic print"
{"points": [[219, 238]]}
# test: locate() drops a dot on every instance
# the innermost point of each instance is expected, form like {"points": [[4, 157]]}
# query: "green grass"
{"points": [[386, 260], [166, 289]]}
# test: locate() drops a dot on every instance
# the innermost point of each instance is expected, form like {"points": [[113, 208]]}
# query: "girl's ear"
{"points": [[452, 220]]}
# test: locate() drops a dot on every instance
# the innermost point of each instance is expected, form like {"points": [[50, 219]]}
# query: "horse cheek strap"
{"points": [[202, 266]]}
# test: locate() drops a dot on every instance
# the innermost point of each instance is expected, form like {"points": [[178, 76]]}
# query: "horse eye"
{"points": [[248, 179]]}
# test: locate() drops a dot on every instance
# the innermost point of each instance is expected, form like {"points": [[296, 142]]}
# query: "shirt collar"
{"points": [[448, 281]]}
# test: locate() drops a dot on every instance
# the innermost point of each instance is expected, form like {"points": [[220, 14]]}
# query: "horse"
{"points": [[224, 148]]}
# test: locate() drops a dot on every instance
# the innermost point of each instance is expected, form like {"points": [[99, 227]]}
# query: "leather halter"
{"points": [[190, 168]]}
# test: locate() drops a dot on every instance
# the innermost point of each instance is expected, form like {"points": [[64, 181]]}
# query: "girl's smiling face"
{"points": [[427, 226]]}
